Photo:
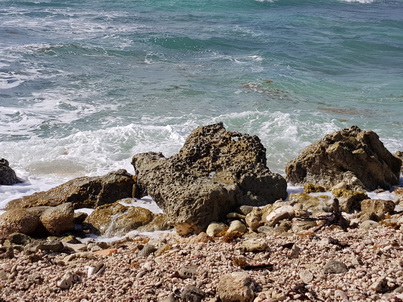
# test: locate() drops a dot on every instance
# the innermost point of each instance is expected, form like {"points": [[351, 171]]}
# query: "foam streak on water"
{"points": [[86, 85]]}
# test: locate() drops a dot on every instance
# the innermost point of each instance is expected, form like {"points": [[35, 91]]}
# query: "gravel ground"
{"points": [[330, 265]]}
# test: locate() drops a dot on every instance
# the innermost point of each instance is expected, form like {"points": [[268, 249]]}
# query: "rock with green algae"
{"points": [[116, 220]]}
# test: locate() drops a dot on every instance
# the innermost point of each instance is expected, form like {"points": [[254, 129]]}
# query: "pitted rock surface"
{"points": [[214, 172], [352, 155]]}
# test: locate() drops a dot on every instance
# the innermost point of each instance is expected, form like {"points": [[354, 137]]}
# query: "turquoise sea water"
{"points": [[84, 85]]}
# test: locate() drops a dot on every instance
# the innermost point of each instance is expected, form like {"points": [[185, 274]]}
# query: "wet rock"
{"points": [[214, 172], [353, 156], [116, 219], [7, 175], [399, 154], [335, 267], [377, 207], [82, 192], [311, 188], [59, 219], [236, 287]]}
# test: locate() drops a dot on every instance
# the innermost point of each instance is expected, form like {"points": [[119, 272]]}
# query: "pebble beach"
{"points": [[330, 265]]}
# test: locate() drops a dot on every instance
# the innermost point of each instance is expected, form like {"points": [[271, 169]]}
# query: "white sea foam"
{"points": [[359, 1]]}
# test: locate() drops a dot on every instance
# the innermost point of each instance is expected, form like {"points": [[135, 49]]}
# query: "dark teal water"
{"points": [[84, 85]]}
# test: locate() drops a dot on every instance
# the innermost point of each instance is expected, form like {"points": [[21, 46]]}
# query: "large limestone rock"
{"points": [[82, 192], [353, 156], [214, 172], [7, 175]]}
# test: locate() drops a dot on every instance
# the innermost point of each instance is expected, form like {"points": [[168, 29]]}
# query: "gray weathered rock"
{"points": [[82, 192], [353, 156], [335, 267], [236, 287], [7, 175], [214, 172]]}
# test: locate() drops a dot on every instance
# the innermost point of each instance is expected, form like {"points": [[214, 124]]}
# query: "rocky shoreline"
{"points": [[236, 235]]}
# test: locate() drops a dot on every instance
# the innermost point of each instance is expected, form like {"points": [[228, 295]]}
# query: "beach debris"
{"points": [[334, 218], [96, 269]]}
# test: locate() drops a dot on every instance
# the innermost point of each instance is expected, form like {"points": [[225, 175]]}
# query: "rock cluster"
{"points": [[38, 221], [214, 172], [7, 175], [355, 157]]}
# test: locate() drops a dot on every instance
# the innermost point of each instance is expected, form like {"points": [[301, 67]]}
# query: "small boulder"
{"points": [[116, 219], [353, 156], [7, 175], [236, 287], [82, 192], [215, 172], [18, 221], [59, 219]]}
